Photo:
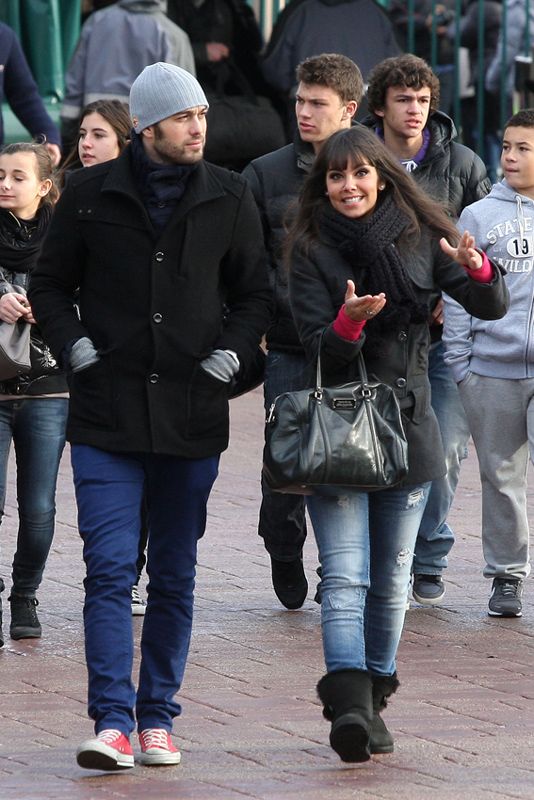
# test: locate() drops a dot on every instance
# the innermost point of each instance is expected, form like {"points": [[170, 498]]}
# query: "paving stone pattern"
{"points": [[251, 724]]}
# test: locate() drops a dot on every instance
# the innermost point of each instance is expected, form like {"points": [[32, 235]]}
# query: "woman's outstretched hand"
{"points": [[465, 254], [362, 308]]}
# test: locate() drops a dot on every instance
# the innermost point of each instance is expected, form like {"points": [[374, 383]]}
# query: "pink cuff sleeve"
{"points": [[347, 328], [485, 273]]}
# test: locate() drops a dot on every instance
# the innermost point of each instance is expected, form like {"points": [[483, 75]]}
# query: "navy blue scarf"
{"points": [[161, 185]]}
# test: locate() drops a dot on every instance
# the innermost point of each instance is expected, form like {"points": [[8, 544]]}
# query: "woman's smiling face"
{"points": [[353, 191]]}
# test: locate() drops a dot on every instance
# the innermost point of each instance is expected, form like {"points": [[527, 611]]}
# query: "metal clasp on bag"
{"points": [[318, 394], [270, 415]]}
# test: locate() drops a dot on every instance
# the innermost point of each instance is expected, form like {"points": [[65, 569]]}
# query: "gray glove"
{"points": [[83, 354], [222, 365]]}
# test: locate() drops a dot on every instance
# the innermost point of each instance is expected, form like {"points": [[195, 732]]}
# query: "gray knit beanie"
{"points": [[162, 90]]}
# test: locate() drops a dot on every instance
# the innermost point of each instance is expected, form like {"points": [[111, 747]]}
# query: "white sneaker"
{"points": [[138, 604]]}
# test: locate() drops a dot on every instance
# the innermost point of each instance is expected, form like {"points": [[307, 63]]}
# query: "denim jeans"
{"points": [[37, 429], [366, 542], [109, 491], [435, 537], [282, 522]]}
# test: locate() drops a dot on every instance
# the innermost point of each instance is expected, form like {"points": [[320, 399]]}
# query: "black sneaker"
{"points": [[429, 590], [505, 598], [289, 582], [317, 597], [24, 620]]}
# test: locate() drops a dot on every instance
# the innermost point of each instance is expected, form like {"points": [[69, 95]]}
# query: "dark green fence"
{"points": [[48, 31]]}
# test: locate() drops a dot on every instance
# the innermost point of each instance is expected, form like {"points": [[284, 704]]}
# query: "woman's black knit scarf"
{"points": [[369, 245], [21, 240]]}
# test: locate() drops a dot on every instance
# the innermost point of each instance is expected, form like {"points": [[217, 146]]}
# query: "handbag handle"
{"points": [[365, 390], [227, 71]]}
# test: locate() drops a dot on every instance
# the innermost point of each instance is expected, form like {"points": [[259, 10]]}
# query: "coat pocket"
{"points": [[92, 396], [207, 406], [420, 408]]}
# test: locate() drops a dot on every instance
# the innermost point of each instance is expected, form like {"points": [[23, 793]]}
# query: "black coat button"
{"points": [[400, 383], [157, 317], [154, 378], [159, 256]]}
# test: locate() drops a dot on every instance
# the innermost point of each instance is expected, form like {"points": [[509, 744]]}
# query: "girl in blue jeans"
{"points": [[368, 251], [33, 406]]}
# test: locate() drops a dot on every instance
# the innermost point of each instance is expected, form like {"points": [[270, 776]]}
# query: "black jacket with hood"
{"points": [[276, 180], [450, 172]]}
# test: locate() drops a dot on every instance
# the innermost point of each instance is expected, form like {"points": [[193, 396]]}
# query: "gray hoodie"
{"points": [[503, 226], [115, 45]]}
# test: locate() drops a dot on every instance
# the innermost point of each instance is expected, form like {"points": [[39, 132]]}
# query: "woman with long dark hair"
{"points": [[103, 133], [367, 251]]}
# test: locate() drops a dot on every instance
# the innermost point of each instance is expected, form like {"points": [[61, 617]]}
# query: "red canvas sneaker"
{"points": [[110, 750], [157, 747]]}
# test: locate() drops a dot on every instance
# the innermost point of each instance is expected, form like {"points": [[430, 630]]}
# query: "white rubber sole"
{"points": [[428, 601], [159, 759]]}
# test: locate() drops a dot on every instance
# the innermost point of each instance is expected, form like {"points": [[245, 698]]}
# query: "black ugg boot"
{"points": [[384, 686], [347, 699]]}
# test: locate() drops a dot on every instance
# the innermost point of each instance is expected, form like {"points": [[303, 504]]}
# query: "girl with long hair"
{"points": [[103, 133], [33, 406], [367, 253]]}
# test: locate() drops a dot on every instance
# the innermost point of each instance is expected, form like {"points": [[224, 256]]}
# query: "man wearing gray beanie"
{"points": [[164, 253]]}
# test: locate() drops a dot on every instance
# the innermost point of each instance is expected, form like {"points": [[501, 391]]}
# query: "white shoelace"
{"points": [[155, 737], [109, 735], [136, 597]]}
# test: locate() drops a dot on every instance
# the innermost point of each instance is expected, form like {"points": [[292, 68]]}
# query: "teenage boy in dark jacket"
{"points": [[330, 86], [403, 98], [173, 300]]}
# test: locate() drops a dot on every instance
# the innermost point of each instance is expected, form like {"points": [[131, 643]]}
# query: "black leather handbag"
{"points": [[349, 435], [241, 126]]}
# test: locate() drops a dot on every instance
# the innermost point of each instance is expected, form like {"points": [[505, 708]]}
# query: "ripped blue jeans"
{"points": [[366, 542]]}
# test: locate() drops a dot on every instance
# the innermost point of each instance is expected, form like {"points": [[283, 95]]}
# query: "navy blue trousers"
{"points": [[109, 492]]}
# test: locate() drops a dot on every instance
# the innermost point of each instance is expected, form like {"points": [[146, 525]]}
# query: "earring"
{"points": [[326, 193], [382, 186]]}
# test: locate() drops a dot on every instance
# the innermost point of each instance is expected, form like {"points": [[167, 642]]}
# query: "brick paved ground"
{"points": [[252, 727]]}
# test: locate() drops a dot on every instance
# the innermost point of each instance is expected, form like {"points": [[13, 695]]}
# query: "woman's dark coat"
{"points": [[153, 307], [318, 284]]}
